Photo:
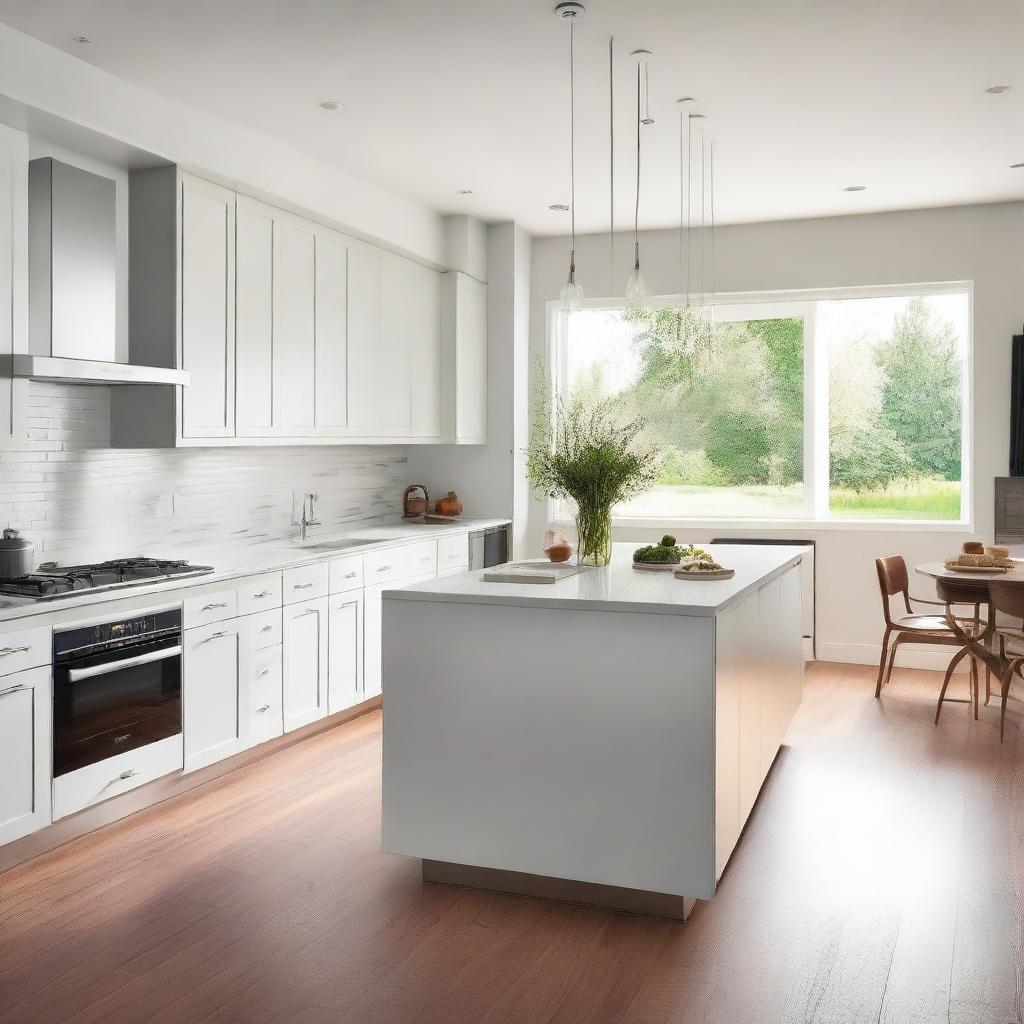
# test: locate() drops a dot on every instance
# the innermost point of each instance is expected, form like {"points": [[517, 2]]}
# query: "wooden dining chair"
{"points": [[915, 627], [1008, 598]]}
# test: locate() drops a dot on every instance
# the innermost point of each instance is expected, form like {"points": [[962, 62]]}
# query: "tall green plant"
{"points": [[593, 452]]}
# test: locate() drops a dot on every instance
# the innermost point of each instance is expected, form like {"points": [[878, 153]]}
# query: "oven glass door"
{"points": [[105, 704]]}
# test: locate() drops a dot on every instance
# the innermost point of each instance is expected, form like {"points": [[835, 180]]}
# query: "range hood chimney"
{"points": [[72, 274]]}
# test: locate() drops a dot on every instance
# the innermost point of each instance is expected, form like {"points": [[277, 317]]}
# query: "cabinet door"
{"points": [[25, 716], [295, 366], [331, 398], [424, 333], [305, 663], [13, 280], [398, 315], [345, 642], [366, 372], [254, 326], [373, 609], [215, 697], [207, 295], [470, 360]]}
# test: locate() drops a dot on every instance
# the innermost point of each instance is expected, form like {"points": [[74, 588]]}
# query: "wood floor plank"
{"points": [[880, 879]]}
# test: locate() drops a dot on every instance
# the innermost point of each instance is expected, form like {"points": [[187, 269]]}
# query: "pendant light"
{"points": [[572, 293], [636, 287]]}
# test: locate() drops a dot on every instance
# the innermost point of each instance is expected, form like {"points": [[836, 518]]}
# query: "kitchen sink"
{"points": [[336, 545]]}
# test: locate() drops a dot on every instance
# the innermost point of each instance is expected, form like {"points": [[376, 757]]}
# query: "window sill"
{"points": [[786, 525]]}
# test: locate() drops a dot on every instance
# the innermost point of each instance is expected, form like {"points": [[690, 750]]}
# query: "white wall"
{"points": [[46, 79], [983, 244]]}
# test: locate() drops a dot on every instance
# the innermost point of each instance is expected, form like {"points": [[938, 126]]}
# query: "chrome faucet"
{"points": [[308, 517]]}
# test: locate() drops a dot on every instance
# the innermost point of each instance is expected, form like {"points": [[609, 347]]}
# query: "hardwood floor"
{"points": [[881, 879]]}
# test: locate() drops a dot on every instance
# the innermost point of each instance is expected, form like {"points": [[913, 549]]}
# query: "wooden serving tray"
{"points": [[978, 568], [718, 574]]}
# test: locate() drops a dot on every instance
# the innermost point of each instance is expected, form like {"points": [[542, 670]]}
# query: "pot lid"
{"points": [[13, 541]]}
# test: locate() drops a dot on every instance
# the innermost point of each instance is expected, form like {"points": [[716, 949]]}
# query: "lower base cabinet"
{"points": [[25, 722], [213, 693], [345, 651], [373, 614], [305, 632]]}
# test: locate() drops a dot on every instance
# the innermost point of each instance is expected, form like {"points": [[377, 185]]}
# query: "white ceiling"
{"points": [[803, 97]]}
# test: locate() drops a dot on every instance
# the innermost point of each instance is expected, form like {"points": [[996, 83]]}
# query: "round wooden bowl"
{"points": [[717, 574]]}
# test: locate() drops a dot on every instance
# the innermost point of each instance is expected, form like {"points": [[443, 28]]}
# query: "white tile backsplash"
{"points": [[80, 500]]}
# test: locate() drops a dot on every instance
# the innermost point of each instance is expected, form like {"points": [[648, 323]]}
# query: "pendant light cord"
{"points": [[636, 205], [572, 139], [611, 163]]}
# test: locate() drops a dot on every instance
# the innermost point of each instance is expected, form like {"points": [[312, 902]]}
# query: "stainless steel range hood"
{"points": [[72, 275]]}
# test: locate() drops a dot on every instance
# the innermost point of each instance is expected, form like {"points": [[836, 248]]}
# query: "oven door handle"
{"points": [[75, 674]]}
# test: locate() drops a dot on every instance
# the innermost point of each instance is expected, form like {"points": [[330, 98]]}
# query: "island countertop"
{"points": [[619, 587]]}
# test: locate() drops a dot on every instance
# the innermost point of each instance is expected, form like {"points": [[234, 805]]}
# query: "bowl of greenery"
{"points": [[660, 557]]}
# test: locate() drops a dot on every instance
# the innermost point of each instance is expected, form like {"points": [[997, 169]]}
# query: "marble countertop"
{"points": [[232, 560], [620, 587]]}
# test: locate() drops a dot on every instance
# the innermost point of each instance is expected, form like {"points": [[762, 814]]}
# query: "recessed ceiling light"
{"points": [[996, 90], [856, 188], [332, 105], [559, 207], [82, 40]]}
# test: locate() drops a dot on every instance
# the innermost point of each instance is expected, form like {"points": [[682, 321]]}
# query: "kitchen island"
{"points": [[601, 739]]}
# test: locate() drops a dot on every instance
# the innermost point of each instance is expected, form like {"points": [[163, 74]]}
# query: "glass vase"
{"points": [[594, 536]]}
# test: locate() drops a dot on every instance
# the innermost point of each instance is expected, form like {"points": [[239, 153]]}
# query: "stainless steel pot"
{"points": [[17, 555]]}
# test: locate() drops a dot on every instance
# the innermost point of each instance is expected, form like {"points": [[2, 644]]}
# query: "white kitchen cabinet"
{"points": [[305, 657], [207, 308], [13, 281], [214, 694], [330, 398], [372, 631], [464, 362], [345, 651], [25, 722], [394, 343], [254, 318]]}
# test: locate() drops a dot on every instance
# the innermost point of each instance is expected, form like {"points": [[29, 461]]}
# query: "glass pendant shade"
{"points": [[571, 296], [636, 289]]}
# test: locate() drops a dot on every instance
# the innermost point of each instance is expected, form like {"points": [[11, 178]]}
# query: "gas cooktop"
{"points": [[51, 581]]}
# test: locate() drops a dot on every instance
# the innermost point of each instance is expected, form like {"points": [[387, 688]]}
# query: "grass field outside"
{"points": [[924, 499]]}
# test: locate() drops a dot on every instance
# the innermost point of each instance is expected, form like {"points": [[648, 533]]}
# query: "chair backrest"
{"points": [[893, 579], [1007, 598]]}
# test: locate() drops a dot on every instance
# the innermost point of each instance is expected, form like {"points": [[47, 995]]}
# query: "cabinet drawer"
{"points": [[266, 721], [206, 608], [384, 566], [115, 775], [259, 592], [346, 574], [263, 630], [26, 648], [421, 559], [452, 552], [264, 669], [305, 582]]}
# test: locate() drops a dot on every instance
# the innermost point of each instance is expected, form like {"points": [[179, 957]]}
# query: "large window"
{"points": [[840, 407]]}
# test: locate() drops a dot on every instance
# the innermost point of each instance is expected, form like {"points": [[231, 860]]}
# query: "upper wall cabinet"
{"points": [[464, 367], [13, 280], [293, 333]]}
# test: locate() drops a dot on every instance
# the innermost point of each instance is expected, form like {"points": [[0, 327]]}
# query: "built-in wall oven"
{"points": [[116, 687]]}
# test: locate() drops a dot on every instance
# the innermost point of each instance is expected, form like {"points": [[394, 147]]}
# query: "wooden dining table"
{"points": [[955, 587]]}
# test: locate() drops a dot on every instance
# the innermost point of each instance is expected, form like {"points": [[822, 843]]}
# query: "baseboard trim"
{"points": [[160, 790], [907, 656], [562, 890]]}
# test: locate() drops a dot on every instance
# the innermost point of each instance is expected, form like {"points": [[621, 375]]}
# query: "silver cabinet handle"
{"points": [[265, 672], [211, 607], [350, 576], [259, 711], [301, 586], [4, 651], [384, 568], [74, 674], [129, 773], [264, 593], [12, 689], [267, 629], [220, 634]]}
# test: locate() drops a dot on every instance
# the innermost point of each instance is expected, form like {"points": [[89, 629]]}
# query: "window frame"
{"points": [[792, 303]]}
